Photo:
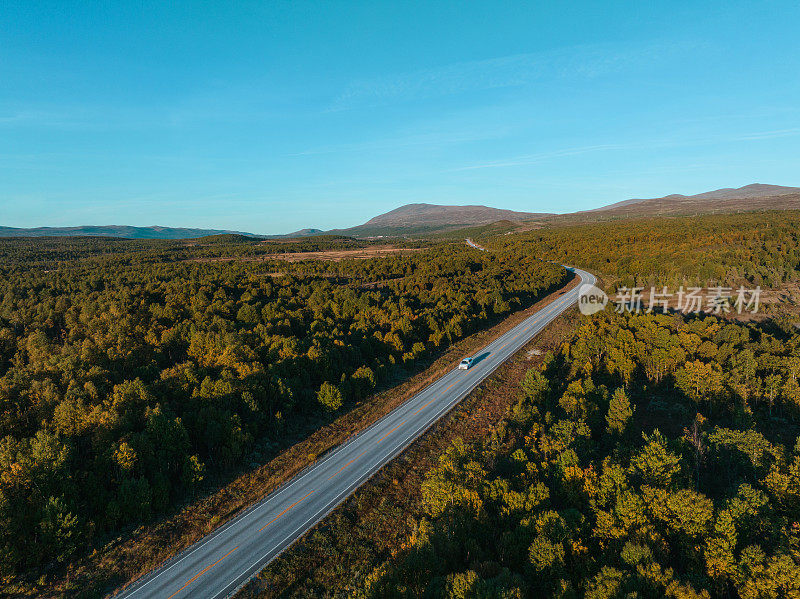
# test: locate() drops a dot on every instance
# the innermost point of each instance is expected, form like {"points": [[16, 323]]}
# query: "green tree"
{"points": [[619, 412], [655, 463], [535, 385], [699, 380], [329, 397], [60, 529]]}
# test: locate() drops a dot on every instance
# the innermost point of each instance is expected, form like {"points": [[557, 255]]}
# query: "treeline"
{"points": [[127, 384], [60, 251], [652, 456], [759, 248]]}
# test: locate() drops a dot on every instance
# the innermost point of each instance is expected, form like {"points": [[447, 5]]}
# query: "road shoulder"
{"points": [[128, 557], [359, 535]]}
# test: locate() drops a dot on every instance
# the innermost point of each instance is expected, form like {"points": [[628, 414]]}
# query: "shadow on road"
{"points": [[481, 357]]}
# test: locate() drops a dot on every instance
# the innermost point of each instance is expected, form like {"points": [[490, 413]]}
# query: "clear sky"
{"points": [[272, 116]]}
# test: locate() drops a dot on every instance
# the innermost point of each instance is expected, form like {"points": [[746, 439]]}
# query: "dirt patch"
{"points": [[329, 255], [337, 255]]}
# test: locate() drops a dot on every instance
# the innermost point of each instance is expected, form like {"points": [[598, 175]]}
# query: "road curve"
{"points": [[472, 244], [220, 563]]}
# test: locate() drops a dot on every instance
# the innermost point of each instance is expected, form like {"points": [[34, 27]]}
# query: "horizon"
{"points": [[325, 230], [274, 119]]}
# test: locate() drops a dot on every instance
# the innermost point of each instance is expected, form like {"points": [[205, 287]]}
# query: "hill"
{"points": [[757, 196], [414, 219], [436, 215], [427, 219], [295, 234], [434, 219], [129, 232]]}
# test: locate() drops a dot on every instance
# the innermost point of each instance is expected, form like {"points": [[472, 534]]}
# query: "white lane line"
{"points": [[291, 484], [376, 466]]}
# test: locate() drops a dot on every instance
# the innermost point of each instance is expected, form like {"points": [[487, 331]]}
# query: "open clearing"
{"points": [[329, 255]]}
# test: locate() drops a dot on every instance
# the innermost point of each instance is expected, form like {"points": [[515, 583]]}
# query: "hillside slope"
{"points": [[426, 218], [126, 231], [757, 196]]}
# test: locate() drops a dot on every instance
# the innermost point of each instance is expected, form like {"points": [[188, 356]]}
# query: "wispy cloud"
{"points": [[508, 71], [211, 103], [770, 134], [527, 159], [543, 156], [460, 129], [40, 118]]}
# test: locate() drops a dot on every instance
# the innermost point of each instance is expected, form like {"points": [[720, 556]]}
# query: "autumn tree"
{"points": [[329, 397], [619, 412]]}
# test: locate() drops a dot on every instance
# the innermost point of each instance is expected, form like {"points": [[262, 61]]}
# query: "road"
{"points": [[475, 245], [219, 564]]}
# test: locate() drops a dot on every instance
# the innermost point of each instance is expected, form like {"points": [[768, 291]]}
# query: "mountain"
{"points": [[427, 218], [305, 233], [300, 233], [154, 232], [434, 214], [757, 196]]}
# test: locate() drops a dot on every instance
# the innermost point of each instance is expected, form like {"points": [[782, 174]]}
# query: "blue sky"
{"points": [[273, 116]]}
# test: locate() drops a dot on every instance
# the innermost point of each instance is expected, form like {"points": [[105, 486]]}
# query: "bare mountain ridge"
{"points": [[124, 231], [755, 191], [435, 214], [423, 219], [416, 219], [429, 218]]}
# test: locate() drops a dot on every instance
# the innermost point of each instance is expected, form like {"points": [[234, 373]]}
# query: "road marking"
{"points": [[544, 316], [283, 512], [448, 389], [427, 404], [395, 428], [201, 572], [346, 465]]}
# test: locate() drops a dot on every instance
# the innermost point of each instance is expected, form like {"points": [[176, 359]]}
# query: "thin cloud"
{"points": [[507, 71], [544, 156], [448, 135], [771, 134]]}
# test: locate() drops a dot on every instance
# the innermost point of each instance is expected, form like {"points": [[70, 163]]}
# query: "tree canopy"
{"points": [[134, 373], [675, 472]]}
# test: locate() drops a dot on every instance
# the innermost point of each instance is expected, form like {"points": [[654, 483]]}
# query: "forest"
{"points": [[757, 248], [134, 376], [55, 251], [650, 455]]}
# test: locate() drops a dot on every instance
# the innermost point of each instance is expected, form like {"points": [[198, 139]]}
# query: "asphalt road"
{"points": [[475, 245], [219, 564]]}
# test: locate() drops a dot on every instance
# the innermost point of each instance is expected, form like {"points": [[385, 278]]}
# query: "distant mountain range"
{"points": [[420, 219], [757, 196], [125, 231]]}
